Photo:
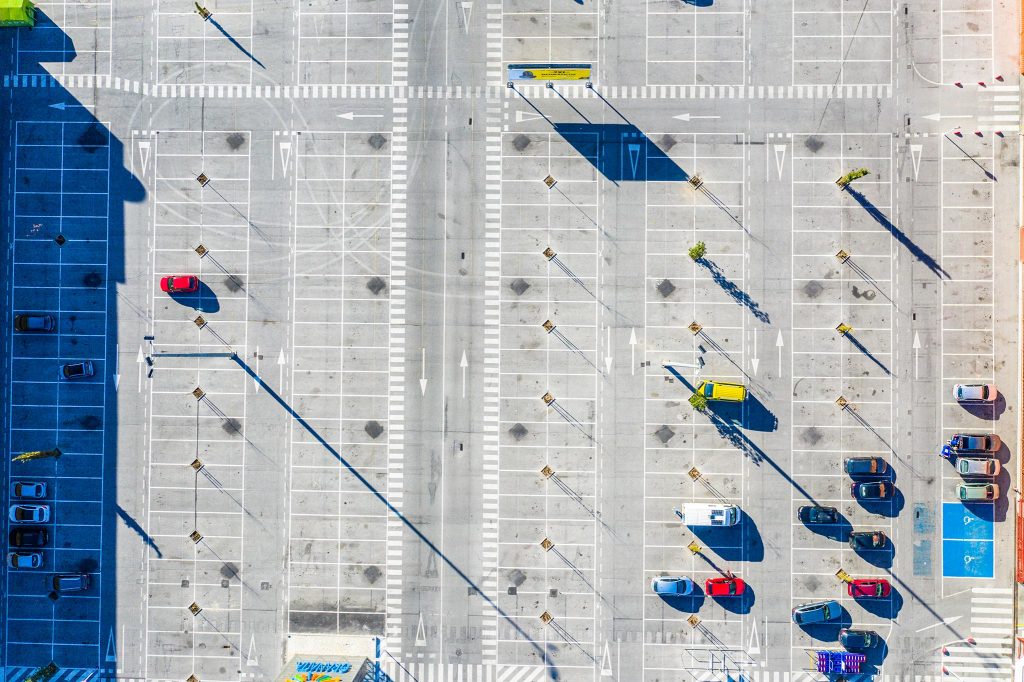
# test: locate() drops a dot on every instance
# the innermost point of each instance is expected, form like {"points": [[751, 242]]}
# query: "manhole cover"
{"points": [[665, 434], [521, 142], [235, 140], [377, 140], [372, 574], [373, 428], [518, 431], [519, 286], [376, 285], [92, 279], [665, 288], [813, 289]]}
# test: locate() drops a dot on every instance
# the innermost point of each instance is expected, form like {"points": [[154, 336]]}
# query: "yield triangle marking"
{"points": [[111, 656], [250, 659], [467, 10], [915, 157], [286, 154], [634, 156], [754, 647], [780, 157], [606, 661], [144, 154], [421, 634], [526, 116]]}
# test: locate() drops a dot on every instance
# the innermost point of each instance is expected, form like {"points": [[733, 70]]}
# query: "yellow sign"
{"points": [[549, 72]]}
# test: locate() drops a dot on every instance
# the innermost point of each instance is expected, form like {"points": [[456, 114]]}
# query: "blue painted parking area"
{"points": [[967, 541]]}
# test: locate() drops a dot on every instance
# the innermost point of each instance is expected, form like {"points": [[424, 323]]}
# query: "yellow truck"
{"points": [[720, 390]]}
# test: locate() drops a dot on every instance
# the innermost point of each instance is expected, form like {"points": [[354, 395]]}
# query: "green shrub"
{"points": [[698, 250], [698, 402]]}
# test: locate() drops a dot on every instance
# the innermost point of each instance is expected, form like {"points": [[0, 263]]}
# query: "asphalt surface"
{"points": [[343, 436]]}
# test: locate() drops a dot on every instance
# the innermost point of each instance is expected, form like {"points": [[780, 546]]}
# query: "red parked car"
{"points": [[724, 587], [868, 587], [179, 284]]}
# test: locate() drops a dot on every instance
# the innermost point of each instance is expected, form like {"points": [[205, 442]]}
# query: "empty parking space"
{"points": [[696, 43], [345, 43], [68, 38], [835, 43], [218, 51], [541, 31]]}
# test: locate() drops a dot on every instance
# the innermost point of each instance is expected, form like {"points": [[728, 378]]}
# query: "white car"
{"points": [[29, 513], [977, 466], [28, 490], [672, 586], [25, 559], [975, 393]]}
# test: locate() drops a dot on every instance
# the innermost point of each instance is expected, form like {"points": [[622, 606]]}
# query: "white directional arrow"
{"points": [[467, 9], [526, 116], [349, 115], [780, 157], [690, 117], [280, 368], [632, 351], [140, 359], [778, 344], [421, 634], [915, 157], [62, 106], [144, 154], [423, 372], [755, 361], [606, 661], [608, 349], [111, 655], [285, 149], [941, 117], [944, 621], [250, 659], [917, 354], [463, 364], [117, 366]]}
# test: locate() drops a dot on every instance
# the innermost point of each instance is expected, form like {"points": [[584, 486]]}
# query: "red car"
{"points": [[868, 587], [724, 587], [179, 284]]}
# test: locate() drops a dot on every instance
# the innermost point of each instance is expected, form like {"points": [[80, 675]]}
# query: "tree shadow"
{"points": [[735, 293], [139, 530], [621, 152], [741, 542], [898, 234]]}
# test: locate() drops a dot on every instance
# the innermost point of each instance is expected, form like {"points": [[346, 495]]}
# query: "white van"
{"points": [[701, 514]]}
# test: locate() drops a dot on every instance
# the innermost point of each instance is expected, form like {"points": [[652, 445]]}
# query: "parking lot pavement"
{"points": [[216, 51], [532, 507], [350, 44], [79, 30], [833, 43], [61, 196], [534, 31], [687, 44], [337, 533]]}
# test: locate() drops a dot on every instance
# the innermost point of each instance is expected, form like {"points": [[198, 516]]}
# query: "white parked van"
{"points": [[701, 514]]}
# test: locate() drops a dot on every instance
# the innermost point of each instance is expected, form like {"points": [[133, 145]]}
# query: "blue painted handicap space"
{"points": [[967, 545], [961, 522], [967, 559]]}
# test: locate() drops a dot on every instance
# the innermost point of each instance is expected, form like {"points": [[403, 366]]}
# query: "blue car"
{"points": [[816, 612], [672, 586]]}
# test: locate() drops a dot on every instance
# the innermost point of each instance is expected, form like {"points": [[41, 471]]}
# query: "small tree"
{"points": [[698, 402], [36, 454], [851, 176], [43, 674], [698, 250]]}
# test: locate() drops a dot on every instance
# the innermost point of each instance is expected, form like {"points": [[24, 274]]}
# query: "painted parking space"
{"points": [[967, 541]]}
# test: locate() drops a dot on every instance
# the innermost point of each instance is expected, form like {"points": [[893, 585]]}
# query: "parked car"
{"points": [[179, 284], [28, 537], [721, 390], [78, 370], [977, 492], [866, 466], [867, 539], [872, 490], [975, 393], [34, 322], [816, 612], [70, 582], [29, 513], [724, 587], [857, 640], [28, 490], [25, 559], [817, 515], [972, 442], [868, 587], [977, 466], [672, 586]]}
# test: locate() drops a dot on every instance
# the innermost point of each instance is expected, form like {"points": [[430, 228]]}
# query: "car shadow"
{"points": [[741, 542], [889, 508], [883, 608], [1001, 507], [873, 659], [829, 632], [834, 531], [699, 3], [738, 604], [688, 603], [203, 299], [751, 414], [881, 557], [989, 411]]}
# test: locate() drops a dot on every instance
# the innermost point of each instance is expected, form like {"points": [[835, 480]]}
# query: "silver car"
{"points": [[28, 490], [977, 466], [29, 513], [975, 393]]}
